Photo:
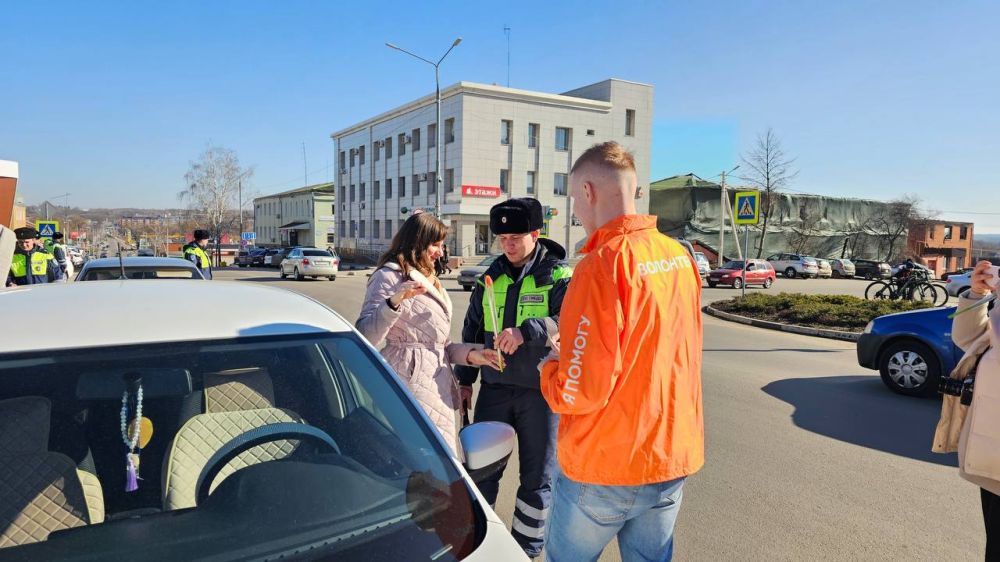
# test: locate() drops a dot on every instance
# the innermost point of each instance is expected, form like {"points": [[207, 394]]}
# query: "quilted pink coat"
{"points": [[416, 344]]}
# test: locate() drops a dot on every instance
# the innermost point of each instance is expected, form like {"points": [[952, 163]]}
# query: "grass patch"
{"points": [[836, 312]]}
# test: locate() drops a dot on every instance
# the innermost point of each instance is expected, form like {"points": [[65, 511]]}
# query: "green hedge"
{"points": [[837, 312]]}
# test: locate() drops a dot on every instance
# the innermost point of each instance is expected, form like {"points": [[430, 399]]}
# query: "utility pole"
{"points": [[506, 31], [722, 219], [305, 174]]}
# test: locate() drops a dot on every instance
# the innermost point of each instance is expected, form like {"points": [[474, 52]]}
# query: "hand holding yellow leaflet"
{"points": [[493, 314]]}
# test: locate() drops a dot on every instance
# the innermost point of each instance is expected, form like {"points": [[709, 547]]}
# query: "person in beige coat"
{"points": [[978, 332], [408, 311]]}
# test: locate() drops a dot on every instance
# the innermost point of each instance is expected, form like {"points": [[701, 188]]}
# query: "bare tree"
{"points": [[804, 233], [769, 170], [213, 183], [891, 224]]}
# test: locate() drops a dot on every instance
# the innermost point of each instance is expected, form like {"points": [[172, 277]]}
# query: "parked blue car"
{"points": [[911, 350]]}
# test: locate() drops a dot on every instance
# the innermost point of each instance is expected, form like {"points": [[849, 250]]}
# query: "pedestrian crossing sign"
{"points": [[747, 207], [47, 228]]}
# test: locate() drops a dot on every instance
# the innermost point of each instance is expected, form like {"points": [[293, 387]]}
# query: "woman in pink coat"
{"points": [[408, 310]]}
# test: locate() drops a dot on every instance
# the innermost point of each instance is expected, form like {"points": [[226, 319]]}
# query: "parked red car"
{"points": [[759, 272]]}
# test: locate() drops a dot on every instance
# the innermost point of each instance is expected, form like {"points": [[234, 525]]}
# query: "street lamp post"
{"points": [[438, 133]]}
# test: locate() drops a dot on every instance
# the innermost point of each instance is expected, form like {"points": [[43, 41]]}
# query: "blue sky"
{"points": [[109, 101]]}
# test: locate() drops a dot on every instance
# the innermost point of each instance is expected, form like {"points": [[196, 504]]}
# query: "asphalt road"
{"points": [[809, 456]]}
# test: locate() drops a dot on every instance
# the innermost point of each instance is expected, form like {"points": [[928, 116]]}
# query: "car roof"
{"points": [[139, 261], [157, 311]]}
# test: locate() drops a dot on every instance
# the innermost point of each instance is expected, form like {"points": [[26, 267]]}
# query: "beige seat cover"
{"points": [[40, 491], [203, 435], [238, 389]]}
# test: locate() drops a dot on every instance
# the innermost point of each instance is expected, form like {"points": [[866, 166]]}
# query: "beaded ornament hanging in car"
{"points": [[130, 436]]}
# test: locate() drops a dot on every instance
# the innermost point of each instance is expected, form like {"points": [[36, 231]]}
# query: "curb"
{"points": [[801, 330]]}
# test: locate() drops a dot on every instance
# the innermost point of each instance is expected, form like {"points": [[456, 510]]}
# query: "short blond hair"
{"points": [[607, 155]]}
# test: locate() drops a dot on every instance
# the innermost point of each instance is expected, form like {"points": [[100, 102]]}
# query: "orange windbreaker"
{"points": [[627, 384]]}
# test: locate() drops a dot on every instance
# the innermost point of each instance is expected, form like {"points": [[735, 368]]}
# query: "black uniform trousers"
{"points": [[527, 412], [991, 519]]}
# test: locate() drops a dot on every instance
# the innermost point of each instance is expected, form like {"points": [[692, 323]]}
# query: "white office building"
{"points": [[498, 143], [304, 216]]}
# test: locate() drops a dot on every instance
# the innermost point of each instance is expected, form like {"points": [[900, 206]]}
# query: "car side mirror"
{"points": [[487, 446]]}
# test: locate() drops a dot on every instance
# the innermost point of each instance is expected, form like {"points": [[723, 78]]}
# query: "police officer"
{"points": [[62, 257], [195, 252], [31, 264], [529, 281]]}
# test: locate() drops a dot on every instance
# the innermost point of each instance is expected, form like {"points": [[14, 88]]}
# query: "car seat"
{"points": [[236, 401], [40, 491]]}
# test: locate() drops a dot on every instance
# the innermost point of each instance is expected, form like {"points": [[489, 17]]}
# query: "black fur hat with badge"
{"points": [[516, 216]]}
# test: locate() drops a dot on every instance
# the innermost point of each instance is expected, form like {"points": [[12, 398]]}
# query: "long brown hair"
{"points": [[409, 246]]}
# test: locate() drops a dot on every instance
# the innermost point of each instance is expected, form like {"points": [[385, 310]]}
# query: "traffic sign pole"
{"points": [[746, 258]]}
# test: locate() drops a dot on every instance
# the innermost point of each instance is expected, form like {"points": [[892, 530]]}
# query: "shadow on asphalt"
{"points": [[273, 279], [862, 411]]}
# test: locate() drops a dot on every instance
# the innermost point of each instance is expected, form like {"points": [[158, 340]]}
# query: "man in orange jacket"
{"points": [[625, 375]]}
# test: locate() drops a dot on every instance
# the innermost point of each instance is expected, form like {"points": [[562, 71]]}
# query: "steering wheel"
{"points": [[252, 438]]}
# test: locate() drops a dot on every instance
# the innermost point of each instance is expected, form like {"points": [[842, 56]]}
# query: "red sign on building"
{"points": [[480, 191]]}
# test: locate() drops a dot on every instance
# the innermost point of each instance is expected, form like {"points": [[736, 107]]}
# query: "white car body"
{"points": [[309, 262], [151, 312], [794, 265], [957, 284]]}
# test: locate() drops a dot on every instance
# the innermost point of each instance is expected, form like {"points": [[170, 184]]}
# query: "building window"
{"points": [[333, 209], [343, 159], [343, 196], [416, 185], [506, 128], [388, 188], [361, 152], [402, 186], [354, 228], [352, 155], [353, 193], [388, 229], [343, 228], [503, 180], [362, 198], [449, 130], [375, 151], [532, 135], [415, 135], [562, 138], [432, 136], [449, 180], [401, 141], [629, 122], [362, 233], [964, 233], [378, 190], [376, 230], [590, 132], [947, 232], [559, 185], [531, 183], [330, 239], [388, 148], [432, 183]]}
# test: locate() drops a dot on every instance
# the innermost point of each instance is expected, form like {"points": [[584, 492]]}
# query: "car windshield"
{"points": [[846, 262], [109, 273], [318, 253], [733, 265], [343, 464], [809, 260]]}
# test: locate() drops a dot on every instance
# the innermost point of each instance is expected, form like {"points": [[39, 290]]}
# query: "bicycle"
{"points": [[915, 287]]}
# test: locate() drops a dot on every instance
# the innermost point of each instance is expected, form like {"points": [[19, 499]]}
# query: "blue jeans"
{"points": [[585, 517]]}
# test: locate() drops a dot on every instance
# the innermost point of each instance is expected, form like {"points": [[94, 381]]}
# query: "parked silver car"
{"points": [[704, 268], [794, 265], [824, 269], [469, 275], [842, 267], [309, 262]]}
